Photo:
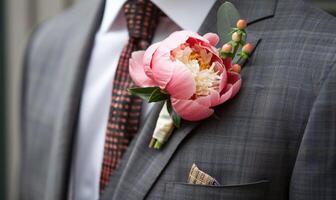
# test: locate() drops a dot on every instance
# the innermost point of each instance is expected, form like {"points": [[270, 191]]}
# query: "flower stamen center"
{"points": [[199, 62]]}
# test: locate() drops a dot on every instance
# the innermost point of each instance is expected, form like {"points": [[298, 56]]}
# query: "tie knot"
{"points": [[142, 18]]}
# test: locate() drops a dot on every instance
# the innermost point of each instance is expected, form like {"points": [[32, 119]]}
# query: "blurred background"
{"points": [[18, 19]]}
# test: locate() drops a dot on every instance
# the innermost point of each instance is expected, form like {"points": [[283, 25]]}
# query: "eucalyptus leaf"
{"points": [[157, 95], [227, 17], [144, 93], [176, 119]]}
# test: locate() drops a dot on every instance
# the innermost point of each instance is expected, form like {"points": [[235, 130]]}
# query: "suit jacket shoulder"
{"points": [[52, 33], [305, 36], [54, 70], [315, 29]]}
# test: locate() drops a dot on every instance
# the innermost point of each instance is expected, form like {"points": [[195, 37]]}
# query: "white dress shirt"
{"points": [[109, 41]]}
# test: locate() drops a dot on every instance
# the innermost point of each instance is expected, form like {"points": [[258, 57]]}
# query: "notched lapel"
{"points": [[144, 164], [252, 11], [255, 11]]}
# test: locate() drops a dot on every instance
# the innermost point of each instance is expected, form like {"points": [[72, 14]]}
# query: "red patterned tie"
{"points": [[125, 110]]}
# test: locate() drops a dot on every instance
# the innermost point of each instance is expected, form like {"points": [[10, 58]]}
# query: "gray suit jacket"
{"points": [[275, 140]]}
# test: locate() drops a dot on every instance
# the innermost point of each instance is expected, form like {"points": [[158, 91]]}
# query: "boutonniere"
{"points": [[190, 74]]}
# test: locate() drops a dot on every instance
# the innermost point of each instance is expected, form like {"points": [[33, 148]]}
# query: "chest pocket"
{"points": [[184, 191]]}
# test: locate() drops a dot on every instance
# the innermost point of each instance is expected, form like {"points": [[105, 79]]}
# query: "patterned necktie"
{"points": [[142, 18]]}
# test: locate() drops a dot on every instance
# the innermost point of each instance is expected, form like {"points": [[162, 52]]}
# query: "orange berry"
{"points": [[248, 48], [227, 48], [241, 24], [236, 68], [236, 37]]}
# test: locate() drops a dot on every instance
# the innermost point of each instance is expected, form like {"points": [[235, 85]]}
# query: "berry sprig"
{"points": [[238, 40]]}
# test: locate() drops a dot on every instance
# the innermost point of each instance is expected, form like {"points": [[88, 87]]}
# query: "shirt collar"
{"points": [[188, 14]]}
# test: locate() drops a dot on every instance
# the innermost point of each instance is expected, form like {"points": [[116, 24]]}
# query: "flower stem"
{"points": [[158, 145], [152, 143]]}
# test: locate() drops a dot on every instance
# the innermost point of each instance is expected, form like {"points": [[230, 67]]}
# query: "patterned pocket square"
{"points": [[197, 176]]}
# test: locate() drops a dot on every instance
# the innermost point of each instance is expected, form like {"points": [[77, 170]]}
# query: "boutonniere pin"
{"points": [[190, 75]]}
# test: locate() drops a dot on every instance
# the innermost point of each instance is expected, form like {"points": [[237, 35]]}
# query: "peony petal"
{"points": [[173, 41], [147, 58], [213, 38], [211, 100], [213, 50], [177, 38], [180, 37], [205, 101], [227, 63], [214, 98], [162, 68], [236, 81], [223, 81], [182, 84], [227, 94], [232, 88], [136, 70], [219, 67], [191, 110]]}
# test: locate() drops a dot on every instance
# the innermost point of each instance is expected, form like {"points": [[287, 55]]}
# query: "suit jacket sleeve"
{"points": [[314, 173]]}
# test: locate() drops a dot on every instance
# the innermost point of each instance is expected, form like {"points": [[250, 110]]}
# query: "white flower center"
{"points": [[198, 61]]}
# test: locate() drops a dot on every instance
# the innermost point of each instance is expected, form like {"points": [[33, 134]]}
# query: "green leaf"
{"points": [[143, 93], [173, 114], [227, 17], [158, 95], [151, 94]]}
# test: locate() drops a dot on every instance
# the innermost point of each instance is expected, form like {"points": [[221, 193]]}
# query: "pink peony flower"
{"points": [[188, 67]]}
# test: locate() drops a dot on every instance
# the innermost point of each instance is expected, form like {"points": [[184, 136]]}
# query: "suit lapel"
{"points": [[252, 11], [76, 53], [144, 164], [141, 165], [253, 39]]}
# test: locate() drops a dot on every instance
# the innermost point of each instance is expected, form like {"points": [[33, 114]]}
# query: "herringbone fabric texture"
{"points": [[125, 110]]}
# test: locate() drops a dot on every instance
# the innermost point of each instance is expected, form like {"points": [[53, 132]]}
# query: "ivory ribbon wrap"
{"points": [[164, 126]]}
